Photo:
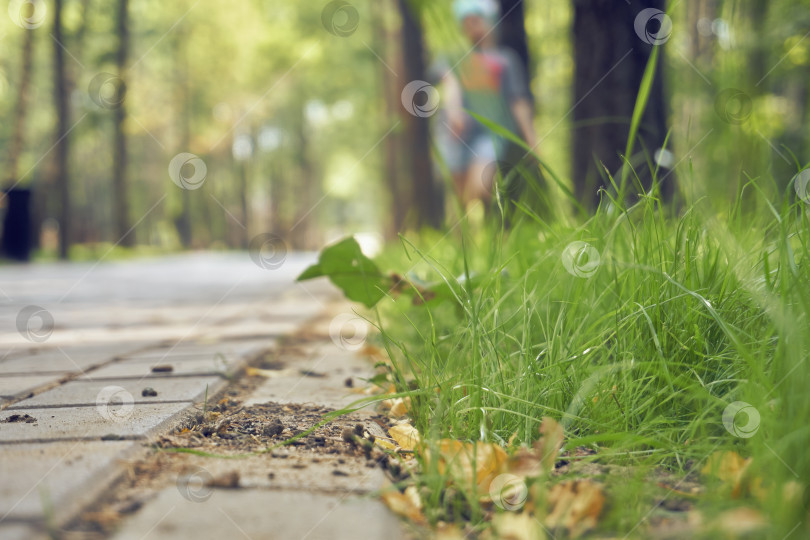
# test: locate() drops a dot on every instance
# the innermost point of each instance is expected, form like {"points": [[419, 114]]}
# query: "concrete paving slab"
{"points": [[86, 392], [119, 418], [260, 514], [205, 347], [150, 368], [64, 359], [59, 472], [20, 385], [20, 531], [327, 367]]}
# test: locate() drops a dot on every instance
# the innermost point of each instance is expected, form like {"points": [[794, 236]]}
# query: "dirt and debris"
{"points": [[149, 392], [267, 440], [20, 419], [162, 369]]}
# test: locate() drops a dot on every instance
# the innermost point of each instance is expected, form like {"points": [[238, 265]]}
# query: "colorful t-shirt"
{"points": [[491, 81]]}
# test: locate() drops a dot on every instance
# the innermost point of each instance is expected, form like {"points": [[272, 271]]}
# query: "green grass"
{"points": [[685, 314]]}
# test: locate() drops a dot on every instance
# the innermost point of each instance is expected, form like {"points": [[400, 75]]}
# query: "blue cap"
{"points": [[487, 9]]}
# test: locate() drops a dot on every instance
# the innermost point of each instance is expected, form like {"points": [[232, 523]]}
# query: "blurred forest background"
{"points": [[295, 109]]}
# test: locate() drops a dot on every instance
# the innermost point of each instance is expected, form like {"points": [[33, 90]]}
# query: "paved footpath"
{"points": [[95, 360]]}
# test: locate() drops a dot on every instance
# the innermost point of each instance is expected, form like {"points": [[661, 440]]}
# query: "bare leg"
{"points": [[479, 182]]}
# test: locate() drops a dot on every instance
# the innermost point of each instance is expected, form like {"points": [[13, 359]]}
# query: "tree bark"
{"points": [[61, 147], [385, 39], [121, 203], [21, 111], [512, 33], [426, 198], [610, 59]]}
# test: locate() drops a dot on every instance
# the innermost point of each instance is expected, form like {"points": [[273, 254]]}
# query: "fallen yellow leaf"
{"points": [[406, 436], [541, 457], [513, 526], [407, 505], [729, 467], [575, 506], [400, 407], [382, 443], [470, 464]]}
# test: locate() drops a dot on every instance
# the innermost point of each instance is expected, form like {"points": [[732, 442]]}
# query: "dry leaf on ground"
{"points": [[541, 457], [513, 526], [575, 506], [406, 436], [729, 467], [470, 464], [407, 505]]}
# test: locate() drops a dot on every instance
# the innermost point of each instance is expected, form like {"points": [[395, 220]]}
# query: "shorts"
{"points": [[459, 152]]}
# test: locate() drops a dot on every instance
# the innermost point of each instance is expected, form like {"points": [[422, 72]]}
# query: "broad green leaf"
{"points": [[351, 271]]}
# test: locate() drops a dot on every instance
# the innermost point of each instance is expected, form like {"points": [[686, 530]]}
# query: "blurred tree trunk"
{"points": [[385, 39], [300, 234], [62, 146], [426, 198], [609, 62], [121, 201], [21, 111], [182, 221], [512, 32]]}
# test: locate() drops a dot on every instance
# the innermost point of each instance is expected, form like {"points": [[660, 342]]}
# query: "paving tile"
{"points": [[205, 347], [65, 473], [63, 359], [89, 422], [142, 368], [260, 514], [332, 366], [21, 531], [17, 385], [86, 392]]}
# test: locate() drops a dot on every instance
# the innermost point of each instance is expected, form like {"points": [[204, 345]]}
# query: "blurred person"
{"points": [[489, 81]]}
